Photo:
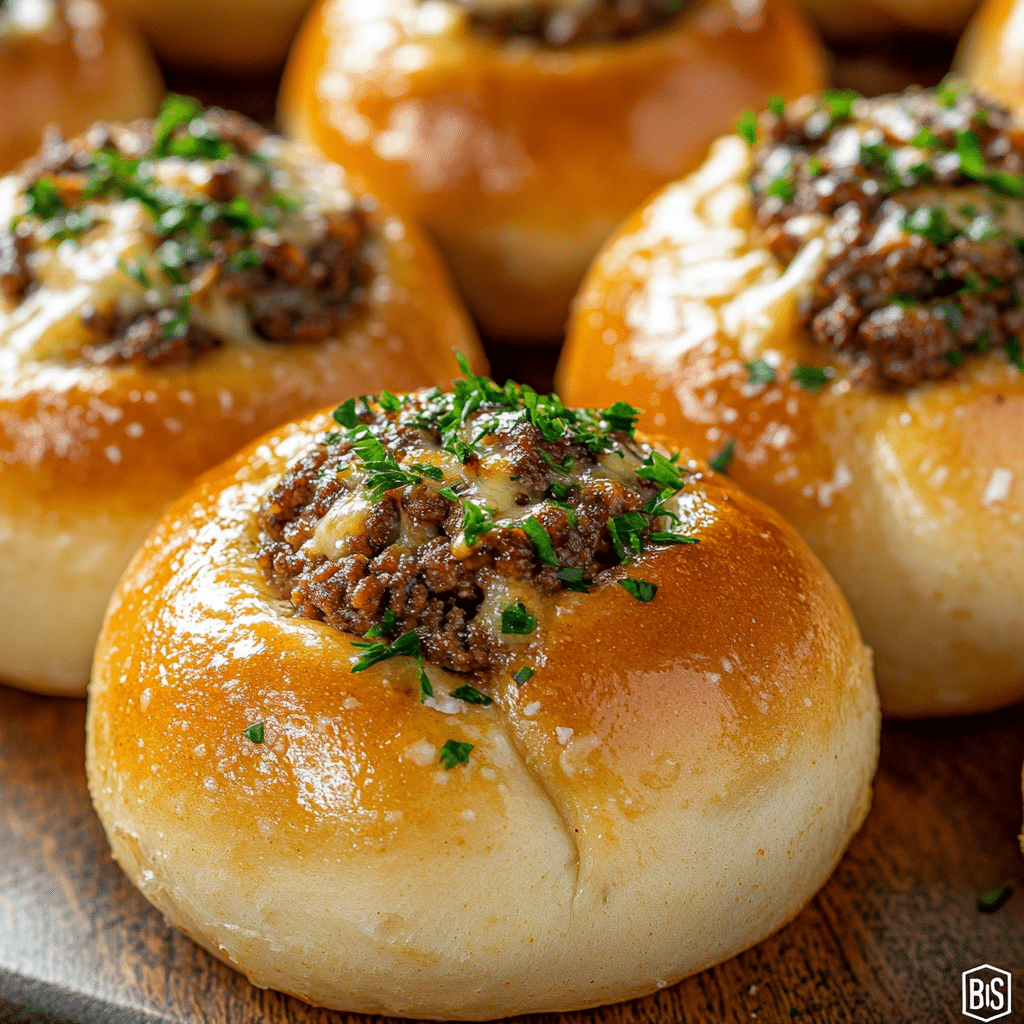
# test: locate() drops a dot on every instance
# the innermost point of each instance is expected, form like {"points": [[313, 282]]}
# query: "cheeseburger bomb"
{"points": [[503, 710]]}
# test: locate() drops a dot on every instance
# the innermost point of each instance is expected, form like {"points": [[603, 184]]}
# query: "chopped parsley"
{"points": [[993, 899], [254, 732], [540, 540], [471, 695], [722, 459], [777, 105], [642, 590], [521, 675], [406, 646], [516, 620], [386, 627], [746, 127], [476, 521], [760, 371], [839, 102], [454, 753], [573, 578], [811, 378]]}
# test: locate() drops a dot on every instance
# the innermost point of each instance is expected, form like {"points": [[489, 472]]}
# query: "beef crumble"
{"points": [[227, 233], [589, 21], [408, 556], [923, 191]]}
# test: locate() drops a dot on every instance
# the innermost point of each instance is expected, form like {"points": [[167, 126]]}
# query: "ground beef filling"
{"points": [[912, 284], [291, 294], [590, 21], [423, 584]]}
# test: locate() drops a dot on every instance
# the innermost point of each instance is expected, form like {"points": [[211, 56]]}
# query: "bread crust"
{"points": [[71, 75], [674, 782], [520, 161], [989, 54], [90, 455], [912, 498]]}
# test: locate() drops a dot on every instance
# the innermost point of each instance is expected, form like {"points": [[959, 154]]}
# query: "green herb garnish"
{"points": [[746, 127], [521, 675], [540, 540], [516, 620], [722, 459], [642, 590], [760, 371], [992, 899], [573, 578], [254, 732], [811, 378], [471, 695], [476, 521], [454, 753]]}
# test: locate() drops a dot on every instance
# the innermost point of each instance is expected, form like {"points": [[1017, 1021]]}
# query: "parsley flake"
{"points": [[722, 459], [516, 620], [254, 732], [476, 521], [471, 695], [746, 127], [573, 578], [991, 900], [642, 590], [540, 540], [521, 675], [811, 378], [454, 753], [760, 371]]}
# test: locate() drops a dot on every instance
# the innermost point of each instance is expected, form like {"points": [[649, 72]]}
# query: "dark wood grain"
{"points": [[885, 941]]}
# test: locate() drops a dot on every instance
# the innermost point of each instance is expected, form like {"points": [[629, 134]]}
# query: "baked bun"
{"points": [[611, 722], [835, 310], [67, 65], [990, 53], [168, 293], [860, 21], [520, 134], [240, 36]]}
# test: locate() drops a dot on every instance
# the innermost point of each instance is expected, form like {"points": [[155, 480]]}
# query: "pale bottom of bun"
{"points": [[58, 574], [532, 920]]}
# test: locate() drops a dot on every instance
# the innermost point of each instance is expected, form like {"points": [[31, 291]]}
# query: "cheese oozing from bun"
{"points": [[503, 710]]}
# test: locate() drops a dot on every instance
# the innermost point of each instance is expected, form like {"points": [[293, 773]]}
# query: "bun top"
{"points": [[200, 260], [445, 569]]}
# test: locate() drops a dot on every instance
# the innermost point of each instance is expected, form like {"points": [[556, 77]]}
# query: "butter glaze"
{"points": [[519, 160], [672, 784], [914, 499], [89, 456]]}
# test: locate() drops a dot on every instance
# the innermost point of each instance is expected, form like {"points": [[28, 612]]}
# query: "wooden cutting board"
{"points": [[885, 941]]}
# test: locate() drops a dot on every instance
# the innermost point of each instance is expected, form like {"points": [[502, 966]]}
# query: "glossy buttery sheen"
{"points": [[91, 455], [67, 65], [518, 159], [675, 781], [914, 499]]}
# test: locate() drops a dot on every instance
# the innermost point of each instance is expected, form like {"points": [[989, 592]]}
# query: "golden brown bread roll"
{"points": [[519, 145], [991, 54], [834, 313], [860, 21], [611, 721], [67, 65], [239, 36], [166, 294]]}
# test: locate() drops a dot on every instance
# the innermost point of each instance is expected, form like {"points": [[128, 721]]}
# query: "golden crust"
{"points": [[990, 54], [676, 779], [519, 162], [913, 499], [91, 455], [70, 77]]}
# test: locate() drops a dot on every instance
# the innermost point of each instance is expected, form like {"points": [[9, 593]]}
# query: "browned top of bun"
{"points": [[169, 291]]}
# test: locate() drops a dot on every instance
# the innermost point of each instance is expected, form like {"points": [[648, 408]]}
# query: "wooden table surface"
{"points": [[885, 941]]}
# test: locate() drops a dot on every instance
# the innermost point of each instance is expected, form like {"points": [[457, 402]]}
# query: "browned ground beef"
{"points": [[150, 339], [427, 587], [291, 294], [912, 288], [589, 21]]}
